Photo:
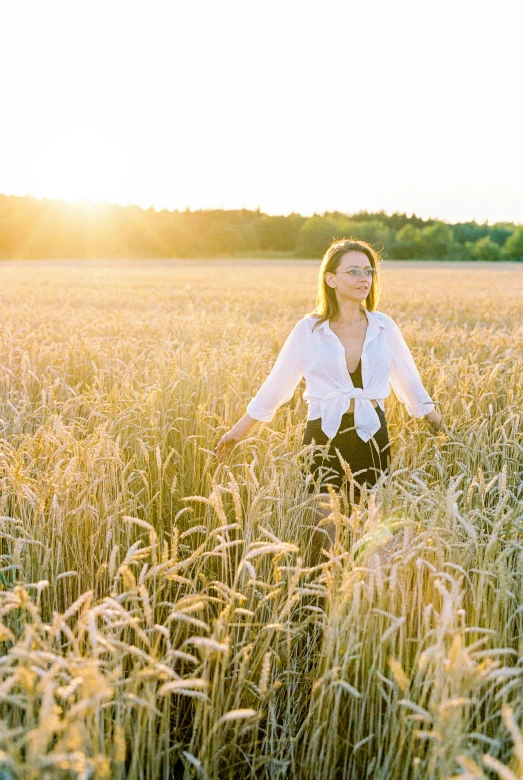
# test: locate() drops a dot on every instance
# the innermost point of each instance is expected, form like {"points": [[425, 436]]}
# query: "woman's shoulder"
{"points": [[383, 319], [306, 324]]}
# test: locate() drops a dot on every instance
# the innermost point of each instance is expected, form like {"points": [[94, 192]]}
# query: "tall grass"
{"points": [[163, 615]]}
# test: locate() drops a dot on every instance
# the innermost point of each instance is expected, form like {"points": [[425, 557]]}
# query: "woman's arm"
{"points": [[282, 381], [278, 388], [236, 434], [406, 381]]}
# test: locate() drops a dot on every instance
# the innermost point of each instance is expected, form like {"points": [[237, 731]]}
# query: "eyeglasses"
{"points": [[357, 273]]}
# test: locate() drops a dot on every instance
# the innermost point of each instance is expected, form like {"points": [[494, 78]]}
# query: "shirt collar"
{"points": [[374, 320], [374, 326], [324, 326]]}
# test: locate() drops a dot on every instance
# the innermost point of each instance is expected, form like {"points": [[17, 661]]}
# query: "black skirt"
{"points": [[367, 459]]}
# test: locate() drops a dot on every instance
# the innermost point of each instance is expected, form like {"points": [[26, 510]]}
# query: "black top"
{"points": [[357, 379]]}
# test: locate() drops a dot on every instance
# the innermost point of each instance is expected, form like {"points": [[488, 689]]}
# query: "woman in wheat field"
{"points": [[349, 355]]}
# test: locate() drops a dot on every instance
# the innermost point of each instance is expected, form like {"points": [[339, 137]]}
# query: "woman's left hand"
{"points": [[434, 418]]}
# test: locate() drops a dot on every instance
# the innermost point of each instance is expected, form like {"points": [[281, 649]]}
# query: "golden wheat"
{"points": [[163, 615]]}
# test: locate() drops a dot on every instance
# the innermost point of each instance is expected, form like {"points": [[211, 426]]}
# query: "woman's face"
{"points": [[352, 279]]}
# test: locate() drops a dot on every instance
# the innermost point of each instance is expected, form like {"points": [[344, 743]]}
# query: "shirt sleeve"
{"points": [[281, 383], [404, 376]]}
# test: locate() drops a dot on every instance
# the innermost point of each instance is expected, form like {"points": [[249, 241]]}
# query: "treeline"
{"points": [[31, 228]]}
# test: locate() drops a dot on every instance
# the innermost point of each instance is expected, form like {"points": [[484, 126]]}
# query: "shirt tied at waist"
{"points": [[335, 404]]}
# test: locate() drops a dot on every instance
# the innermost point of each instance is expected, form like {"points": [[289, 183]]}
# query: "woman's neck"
{"points": [[348, 312]]}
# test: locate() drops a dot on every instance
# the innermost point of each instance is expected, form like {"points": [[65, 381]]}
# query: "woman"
{"points": [[349, 355]]}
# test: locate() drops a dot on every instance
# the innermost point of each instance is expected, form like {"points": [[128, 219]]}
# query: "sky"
{"points": [[285, 106]]}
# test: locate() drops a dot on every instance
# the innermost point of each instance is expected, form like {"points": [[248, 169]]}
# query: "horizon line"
{"points": [[157, 209]]}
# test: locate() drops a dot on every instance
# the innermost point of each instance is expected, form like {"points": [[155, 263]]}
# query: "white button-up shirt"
{"points": [[319, 357]]}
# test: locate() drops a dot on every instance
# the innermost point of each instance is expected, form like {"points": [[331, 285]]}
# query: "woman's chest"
{"points": [[352, 342], [328, 356]]}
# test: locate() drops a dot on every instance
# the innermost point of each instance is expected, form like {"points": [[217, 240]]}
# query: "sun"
{"points": [[82, 164]]}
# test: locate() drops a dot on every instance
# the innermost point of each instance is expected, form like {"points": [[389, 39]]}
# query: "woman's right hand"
{"points": [[226, 443], [235, 435], [434, 418]]}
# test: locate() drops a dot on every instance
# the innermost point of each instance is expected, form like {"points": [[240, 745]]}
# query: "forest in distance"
{"points": [[31, 229]]}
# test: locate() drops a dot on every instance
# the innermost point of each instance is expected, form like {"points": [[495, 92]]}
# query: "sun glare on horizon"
{"points": [[175, 109], [82, 165]]}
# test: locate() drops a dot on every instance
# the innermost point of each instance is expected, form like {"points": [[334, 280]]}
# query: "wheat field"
{"points": [[164, 615]]}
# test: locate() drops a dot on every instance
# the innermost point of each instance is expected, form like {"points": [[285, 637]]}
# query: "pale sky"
{"points": [[410, 106]]}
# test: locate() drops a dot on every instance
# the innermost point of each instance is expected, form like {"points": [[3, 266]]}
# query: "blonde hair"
{"points": [[326, 306]]}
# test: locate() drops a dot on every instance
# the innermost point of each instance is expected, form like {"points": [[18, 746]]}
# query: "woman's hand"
{"points": [[226, 443], [235, 435], [434, 418]]}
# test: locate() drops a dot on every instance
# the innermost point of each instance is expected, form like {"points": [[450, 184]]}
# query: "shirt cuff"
{"points": [[258, 413], [420, 410]]}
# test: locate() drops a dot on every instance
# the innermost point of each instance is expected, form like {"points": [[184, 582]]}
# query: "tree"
{"points": [[437, 240], [513, 249], [221, 237], [408, 243], [278, 233], [500, 232], [469, 231], [315, 236], [374, 232], [486, 249]]}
